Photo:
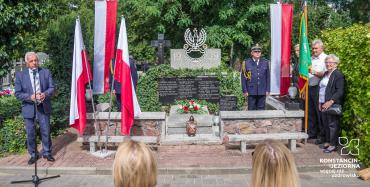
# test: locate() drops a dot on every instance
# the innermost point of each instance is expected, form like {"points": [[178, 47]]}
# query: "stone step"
{"points": [[200, 149], [184, 139], [182, 130]]}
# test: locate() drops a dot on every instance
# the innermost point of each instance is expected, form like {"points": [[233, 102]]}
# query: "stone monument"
{"points": [[195, 54]]}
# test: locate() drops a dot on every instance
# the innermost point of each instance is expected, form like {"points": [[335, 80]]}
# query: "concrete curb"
{"points": [[162, 171]]}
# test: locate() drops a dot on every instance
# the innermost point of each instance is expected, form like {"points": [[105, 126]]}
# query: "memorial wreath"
{"points": [[190, 106]]}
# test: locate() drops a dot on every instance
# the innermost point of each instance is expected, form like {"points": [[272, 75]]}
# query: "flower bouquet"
{"points": [[190, 106], [6, 92]]}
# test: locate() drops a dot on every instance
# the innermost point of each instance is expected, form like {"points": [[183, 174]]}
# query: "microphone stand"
{"points": [[35, 179]]}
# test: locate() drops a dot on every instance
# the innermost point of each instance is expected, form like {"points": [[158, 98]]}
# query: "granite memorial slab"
{"points": [[210, 59]]}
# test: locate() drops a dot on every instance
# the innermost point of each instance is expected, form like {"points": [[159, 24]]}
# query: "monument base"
{"points": [[103, 153], [289, 104], [207, 133]]}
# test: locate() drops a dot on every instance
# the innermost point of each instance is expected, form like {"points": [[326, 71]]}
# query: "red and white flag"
{"points": [[281, 42], [81, 75], [129, 105], [104, 43]]}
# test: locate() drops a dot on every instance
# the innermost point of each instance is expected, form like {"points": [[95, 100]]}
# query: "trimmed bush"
{"points": [[352, 46], [9, 107], [13, 136]]}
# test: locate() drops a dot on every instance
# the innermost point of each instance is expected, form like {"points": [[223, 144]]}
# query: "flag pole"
{"points": [[90, 91], [306, 109], [306, 90], [110, 106]]}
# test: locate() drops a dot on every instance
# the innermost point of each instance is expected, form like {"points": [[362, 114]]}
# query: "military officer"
{"points": [[255, 79]]}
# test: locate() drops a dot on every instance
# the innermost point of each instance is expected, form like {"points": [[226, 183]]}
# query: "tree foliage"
{"points": [[231, 25], [320, 17], [352, 47], [358, 9], [59, 41], [19, 21]]}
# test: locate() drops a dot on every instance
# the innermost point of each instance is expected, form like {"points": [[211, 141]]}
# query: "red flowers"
{"points": [[6, 92], [189, 106]]}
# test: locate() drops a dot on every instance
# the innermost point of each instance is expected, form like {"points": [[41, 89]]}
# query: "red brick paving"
{"points": [[70, 153]]}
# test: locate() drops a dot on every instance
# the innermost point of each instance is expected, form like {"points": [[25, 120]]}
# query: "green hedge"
{"points": [[147, 88], [12, 136], [352, 46], [9, 107]]}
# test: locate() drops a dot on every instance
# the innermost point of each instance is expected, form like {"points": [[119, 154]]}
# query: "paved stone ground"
{"points": [[185, 165], [70, 153], [307, 179]]}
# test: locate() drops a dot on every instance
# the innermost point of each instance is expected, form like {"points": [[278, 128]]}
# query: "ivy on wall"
{"points": [[147, 88]]}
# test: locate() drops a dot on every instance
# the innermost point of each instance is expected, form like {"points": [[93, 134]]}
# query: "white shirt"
{"points": [[318, 64], [323, 84], [38, 89]]}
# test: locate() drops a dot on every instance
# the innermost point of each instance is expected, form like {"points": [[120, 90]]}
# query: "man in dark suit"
{"points": [[255, 79], [30, 80], [117, 85]]}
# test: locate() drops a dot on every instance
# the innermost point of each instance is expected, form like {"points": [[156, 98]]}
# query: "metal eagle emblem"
{"points": [[195, 42]]}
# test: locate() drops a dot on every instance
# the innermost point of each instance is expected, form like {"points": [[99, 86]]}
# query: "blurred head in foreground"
{"points": [[134, 166], [273, 166]]}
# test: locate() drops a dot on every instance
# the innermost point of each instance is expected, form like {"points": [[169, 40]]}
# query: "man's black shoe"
{"points": [[312, 137], [32, 160], [318, 142], [49, 158], [324, 146]]}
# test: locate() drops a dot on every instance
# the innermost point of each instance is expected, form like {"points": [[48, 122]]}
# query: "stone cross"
{"points": [[161, 43]]}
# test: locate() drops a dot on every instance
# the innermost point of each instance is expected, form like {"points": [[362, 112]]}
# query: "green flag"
{"points": [[304, 55]]}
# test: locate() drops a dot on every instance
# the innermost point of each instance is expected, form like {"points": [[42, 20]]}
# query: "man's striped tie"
{"points": [[37, 83], [37, 86]]}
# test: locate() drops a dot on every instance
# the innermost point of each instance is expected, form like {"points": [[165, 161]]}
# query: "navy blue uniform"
{"points": [[255, 80]]}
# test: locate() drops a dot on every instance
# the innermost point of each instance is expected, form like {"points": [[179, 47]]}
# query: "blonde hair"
{"points": [[134, 166], [273, 166]]}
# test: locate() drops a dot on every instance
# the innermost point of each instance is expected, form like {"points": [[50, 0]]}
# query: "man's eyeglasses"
{"points": [[257, 51]]}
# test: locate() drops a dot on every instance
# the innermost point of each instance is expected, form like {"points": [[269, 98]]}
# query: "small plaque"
{"points": [[228, 103]]}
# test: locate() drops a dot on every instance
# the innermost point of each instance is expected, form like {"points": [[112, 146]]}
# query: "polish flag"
{"points": [[104, 43], [129, 105], [81, 75], [281, 42]]}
